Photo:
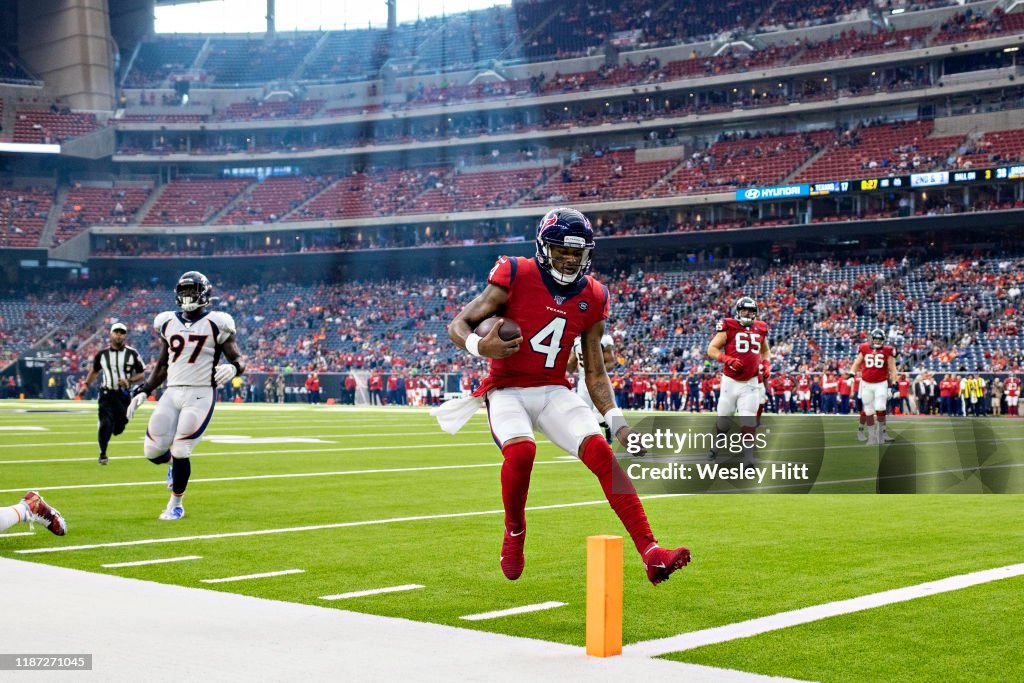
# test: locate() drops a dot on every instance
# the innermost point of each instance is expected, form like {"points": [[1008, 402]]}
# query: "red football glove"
{"points": [[731, 362], [766, 368]]}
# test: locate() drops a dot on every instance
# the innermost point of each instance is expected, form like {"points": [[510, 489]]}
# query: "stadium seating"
{"points": [[52, 127], [256, 110], [192, 201], [244, 61], [86, 206], [271, 199], [23, 214], [947, 315], [161, 57], [889, 149], [969, 25], [993, 148]]}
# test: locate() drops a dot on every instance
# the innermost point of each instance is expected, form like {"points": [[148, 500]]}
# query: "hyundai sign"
{"points": [[753, 194]]}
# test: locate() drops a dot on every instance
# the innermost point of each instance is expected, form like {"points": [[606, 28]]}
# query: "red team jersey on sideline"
{"points": [[551, 318], [876, 363], [743, 343], [1012, 388]]}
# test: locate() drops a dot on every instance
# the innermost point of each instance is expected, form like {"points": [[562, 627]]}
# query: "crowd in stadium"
{"points": [[947, 317]]}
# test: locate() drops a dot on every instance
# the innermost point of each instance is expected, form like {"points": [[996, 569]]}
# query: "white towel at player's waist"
{"points": [[453, 414]]}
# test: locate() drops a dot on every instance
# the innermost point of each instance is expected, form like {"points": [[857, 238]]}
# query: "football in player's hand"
{"points": [[509, 329]]}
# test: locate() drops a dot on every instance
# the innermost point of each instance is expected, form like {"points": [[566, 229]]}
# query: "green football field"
{"points": [[345, 500]]}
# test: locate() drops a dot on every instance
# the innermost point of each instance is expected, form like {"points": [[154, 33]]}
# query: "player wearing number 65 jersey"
{"points": [[193, 342], [740, 344], [877, 365], [554, 301]]}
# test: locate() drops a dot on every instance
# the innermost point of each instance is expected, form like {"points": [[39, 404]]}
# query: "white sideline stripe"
{"points": [[433, 432], [292, 475], [374, 591], [144, 562], [273, 451], [452, 515], [20, 533], [774, 622], [246, 577], [483, 616], [16, 428]]}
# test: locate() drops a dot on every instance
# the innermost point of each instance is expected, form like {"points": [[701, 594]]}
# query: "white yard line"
{"points": [[292, 475], [141, 563], [433, 432], [246, 577], [525, 609], [774, 622], [20, 533], [453, 515], [276, 451], [372, 591]]}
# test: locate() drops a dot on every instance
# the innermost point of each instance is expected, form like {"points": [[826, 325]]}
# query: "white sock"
{"points": [[10, 516], [175, 502]]}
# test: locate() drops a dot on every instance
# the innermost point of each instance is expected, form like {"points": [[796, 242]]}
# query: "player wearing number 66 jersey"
{"points": [[198, 353], [554, 301], [877, 364]]}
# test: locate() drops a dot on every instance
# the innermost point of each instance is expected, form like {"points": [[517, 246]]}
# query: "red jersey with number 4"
{"points": [[875, 367], [550, 316], [743, 343], [1012, 387]]}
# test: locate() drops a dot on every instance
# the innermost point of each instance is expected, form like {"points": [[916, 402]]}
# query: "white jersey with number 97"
{"points": [[193, 346], [581, 378]]}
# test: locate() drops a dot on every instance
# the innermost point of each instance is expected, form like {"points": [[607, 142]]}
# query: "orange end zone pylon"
{"points": [[604, 596]]}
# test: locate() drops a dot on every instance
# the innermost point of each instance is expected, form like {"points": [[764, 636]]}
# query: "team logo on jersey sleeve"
{"points": [[584, 305]]}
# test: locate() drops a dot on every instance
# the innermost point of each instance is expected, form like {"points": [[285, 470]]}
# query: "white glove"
{"points": [[137, 400], [224, 373]]}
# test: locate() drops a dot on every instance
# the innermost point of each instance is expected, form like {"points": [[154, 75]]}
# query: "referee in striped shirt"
{"points": [[120, 366]]}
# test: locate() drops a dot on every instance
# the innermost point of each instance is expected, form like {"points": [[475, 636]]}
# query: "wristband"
{"points": [[615, 420], [238, 368], [473, 344]]}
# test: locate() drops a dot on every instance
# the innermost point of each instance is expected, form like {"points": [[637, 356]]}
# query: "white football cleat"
{"points": [[173, 514], [861, 436]]}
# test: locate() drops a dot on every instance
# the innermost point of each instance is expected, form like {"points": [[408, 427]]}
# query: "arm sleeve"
{"points": [[96, 362]]}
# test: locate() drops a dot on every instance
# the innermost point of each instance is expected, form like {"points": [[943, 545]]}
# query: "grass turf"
{"points": [[754, 555]]}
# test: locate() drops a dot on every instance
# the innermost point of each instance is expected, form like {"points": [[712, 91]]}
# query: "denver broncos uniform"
{"points": [[185, 409]]}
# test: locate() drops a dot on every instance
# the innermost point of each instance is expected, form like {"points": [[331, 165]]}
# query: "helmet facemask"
{"points": [[192, 292], [550, 259], [746, 311]]}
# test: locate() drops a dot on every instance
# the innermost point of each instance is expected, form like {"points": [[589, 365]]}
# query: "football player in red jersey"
{"points": [[741, 345], [877, 364], [803, 393], [1012, 389], [554, 301]]}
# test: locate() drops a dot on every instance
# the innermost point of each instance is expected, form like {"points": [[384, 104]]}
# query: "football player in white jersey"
{"points": [[576, 363], [193, 342]]}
